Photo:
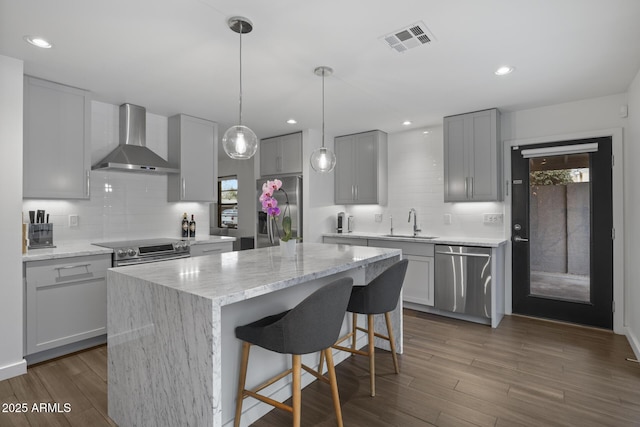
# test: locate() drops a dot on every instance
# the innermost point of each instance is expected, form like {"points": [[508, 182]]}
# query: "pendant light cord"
{"points": [[240, 120], [323, 73]]}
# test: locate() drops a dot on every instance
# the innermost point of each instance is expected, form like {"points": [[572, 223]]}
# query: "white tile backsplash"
{"points": [[123, 205], [416, 173]]}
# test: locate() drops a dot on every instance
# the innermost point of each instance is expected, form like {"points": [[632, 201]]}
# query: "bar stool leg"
{"points": [[297, 395], [334, 386], [372, 355], [354, 330], [241, 382], [392, 342]]}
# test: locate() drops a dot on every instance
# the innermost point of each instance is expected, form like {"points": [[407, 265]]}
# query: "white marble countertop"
{"points": [[67, 249], [64, 250], [462, 241], [236, 276]]}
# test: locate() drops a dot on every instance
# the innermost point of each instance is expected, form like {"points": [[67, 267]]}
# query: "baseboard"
{"points": [[633, 342], [13, 370], [281, 390]]}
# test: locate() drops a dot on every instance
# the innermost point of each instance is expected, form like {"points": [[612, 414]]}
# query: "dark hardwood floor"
{"points": [[527, 372]]}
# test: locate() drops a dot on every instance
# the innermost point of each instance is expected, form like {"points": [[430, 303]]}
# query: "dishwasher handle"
{"points": [[464, 254]]}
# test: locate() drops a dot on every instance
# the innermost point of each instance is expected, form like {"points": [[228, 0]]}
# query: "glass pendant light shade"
{"points": [[239, 142], [323, 160]]}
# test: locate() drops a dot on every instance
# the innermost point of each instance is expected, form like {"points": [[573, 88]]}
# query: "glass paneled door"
{"points": [[562, 231]]}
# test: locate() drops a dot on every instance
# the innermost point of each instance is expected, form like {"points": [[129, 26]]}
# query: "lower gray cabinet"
{"points": [[66, 301], [419, 280]]}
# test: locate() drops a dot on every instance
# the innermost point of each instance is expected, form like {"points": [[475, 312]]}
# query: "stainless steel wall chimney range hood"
{"points": [[132, 153]]}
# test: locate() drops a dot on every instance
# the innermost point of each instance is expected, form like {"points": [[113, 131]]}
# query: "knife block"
{"points": [[41, 236]]}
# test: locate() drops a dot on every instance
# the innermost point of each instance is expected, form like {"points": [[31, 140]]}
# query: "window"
{"points": [[228, 202]]}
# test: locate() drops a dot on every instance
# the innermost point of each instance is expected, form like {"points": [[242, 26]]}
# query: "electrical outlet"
{"points": [[447, 219], [73, 220], [378, 217], [493, 218]]}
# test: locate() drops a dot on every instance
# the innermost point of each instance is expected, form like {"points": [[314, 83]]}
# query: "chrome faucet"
{"points": [[416, 230]]}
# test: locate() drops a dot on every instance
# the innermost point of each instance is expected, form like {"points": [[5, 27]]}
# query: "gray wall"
{"points": [[559, 228]]}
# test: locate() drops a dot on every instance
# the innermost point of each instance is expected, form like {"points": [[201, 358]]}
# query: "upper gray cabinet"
{"points": [[57, 141], [193, 147], [472, 157], [361, 168], [281, 154]]}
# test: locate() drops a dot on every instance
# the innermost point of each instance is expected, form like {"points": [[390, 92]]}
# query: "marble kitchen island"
{"points": [[172, 354]]}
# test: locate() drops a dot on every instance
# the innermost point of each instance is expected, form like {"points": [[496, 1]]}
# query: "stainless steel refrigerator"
{"points": [[293, 186]]}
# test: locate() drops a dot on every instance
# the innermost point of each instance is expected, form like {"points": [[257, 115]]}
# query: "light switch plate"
{"points": [[447, 219], [378, 217], [74, 220]]}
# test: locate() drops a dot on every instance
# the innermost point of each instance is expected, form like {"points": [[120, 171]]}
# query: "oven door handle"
{"points": [[149, 260]]}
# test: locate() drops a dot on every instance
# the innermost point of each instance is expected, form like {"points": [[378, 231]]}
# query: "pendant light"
{"points": [[240, 142], [323, 159]]}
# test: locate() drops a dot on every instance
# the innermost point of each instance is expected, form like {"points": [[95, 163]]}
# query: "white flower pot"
{"points": [[288, 248]]}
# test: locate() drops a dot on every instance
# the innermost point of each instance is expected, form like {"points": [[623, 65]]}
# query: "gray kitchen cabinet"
{"points": [[66, 302], [418, 287], [281, 154], [193, 147], [472, 157], [361, 168], [211, 248], [57, 141]]}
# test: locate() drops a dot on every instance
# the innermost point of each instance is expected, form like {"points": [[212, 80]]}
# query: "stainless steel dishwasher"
{"points": [[463, 280]]}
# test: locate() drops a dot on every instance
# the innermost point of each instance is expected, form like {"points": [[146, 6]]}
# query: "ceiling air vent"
{"points": [[406, 38]]}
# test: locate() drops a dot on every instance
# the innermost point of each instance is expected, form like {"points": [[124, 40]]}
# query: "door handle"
{"points": [[520, 239]]}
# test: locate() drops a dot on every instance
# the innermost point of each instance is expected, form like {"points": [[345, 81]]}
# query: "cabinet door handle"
{"points": [[353, 193], [471, 186], [88, 183], [507, 187], [356, 187], [466, 187], [67, 267], [184, 188]]}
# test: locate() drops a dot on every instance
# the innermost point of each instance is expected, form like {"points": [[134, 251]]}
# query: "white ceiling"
{"points": [[179, 56]]}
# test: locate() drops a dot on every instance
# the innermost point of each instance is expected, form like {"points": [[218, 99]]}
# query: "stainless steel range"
{"points": [[134, 252]]}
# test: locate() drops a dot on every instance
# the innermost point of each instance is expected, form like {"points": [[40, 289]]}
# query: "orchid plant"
{"points": [[270, 206]]}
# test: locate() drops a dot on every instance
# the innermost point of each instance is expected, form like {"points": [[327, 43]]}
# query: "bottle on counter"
{"points": [[192, 227], [185, 225]]}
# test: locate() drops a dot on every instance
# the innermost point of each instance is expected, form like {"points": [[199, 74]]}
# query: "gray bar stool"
{"points": [[380, 296], [312, 326]]}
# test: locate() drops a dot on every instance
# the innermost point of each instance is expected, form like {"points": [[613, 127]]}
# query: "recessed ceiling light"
{"points": [[38, 41], [426, 132], [504, 70], [406, 123], [292, 121]]}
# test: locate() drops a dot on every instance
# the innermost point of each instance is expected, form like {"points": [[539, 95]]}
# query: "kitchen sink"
{"points": [[411, 236]]}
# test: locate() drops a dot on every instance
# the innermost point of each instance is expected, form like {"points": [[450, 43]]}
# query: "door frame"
{"points": [[620, 317]]}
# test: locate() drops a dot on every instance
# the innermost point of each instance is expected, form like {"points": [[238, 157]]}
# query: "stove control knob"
{"points": [[131, 252], [121, 252]]}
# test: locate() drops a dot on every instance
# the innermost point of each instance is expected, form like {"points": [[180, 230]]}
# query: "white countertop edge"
{"points": [[71, 249], [463, 241], [64, 250]]}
